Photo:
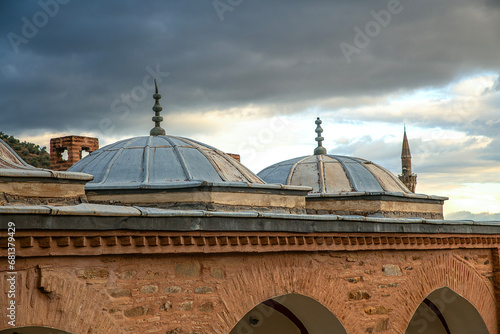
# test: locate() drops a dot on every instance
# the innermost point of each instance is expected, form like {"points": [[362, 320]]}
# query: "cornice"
{"points": [[88, 243]]}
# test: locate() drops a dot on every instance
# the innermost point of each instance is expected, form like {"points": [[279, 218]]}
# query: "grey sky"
{"points": [[86, 67]]}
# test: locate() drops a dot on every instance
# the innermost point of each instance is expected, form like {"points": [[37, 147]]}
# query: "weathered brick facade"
{"points": [[74, 145], [206, 282]]}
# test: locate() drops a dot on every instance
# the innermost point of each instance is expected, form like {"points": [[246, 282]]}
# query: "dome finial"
{"points": [[320, 149], [157, 130]]}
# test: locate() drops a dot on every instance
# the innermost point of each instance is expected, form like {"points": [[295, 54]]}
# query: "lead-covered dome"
{"points": [[349, 185], [161, 162], [174, 172], [334, 174], [21, 183]]}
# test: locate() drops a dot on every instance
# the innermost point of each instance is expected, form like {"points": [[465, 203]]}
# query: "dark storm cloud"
{"points": [[70, 74]]}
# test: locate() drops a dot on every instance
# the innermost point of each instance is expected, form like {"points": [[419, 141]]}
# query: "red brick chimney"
{"points": [[66, 151]]}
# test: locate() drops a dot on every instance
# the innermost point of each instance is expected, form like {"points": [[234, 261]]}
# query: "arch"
{"points": [[260, 281], [290, 314], [445, 312], [53, 300], [32, 330], [450, 272]]}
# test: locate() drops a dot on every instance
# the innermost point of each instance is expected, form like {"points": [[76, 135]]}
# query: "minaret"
{"points": [[320, 149], [407, 177], [157, 130]]}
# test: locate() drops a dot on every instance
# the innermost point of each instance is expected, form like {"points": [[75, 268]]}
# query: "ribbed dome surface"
{"points": [[334, 174], [161, 162], [10, 159], [12, 165]]}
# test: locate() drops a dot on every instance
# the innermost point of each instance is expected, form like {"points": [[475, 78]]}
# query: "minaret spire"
{"points": [[407, 177], [157, 130], [406, 154], [320, 149]]}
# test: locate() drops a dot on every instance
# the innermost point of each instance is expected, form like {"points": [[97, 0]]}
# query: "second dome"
{"points": [[334, 174]]}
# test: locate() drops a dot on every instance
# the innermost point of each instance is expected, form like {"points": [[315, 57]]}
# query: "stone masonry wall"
{"points": [[369, 291]]}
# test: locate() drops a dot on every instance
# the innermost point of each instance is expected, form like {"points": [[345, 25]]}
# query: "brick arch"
{"points": [[256, 284], [445, 271], [57, 302]]}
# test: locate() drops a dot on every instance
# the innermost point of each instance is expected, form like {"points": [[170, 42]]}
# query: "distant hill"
{"points": [[31, 153]]}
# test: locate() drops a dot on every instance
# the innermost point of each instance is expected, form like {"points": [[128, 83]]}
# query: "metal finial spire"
{"points": [[320, 149], [157, 130]]}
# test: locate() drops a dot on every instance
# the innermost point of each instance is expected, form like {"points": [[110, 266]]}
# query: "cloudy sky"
{"points": [[251, 76]]}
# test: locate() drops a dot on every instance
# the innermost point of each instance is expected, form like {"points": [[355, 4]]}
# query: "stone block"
{"points": [[127, 274], [203, 290], [359, 295], [149, 289], [172, 289], [206, 307], [382, 325], [116, 293], [93, 273], [377, 310], [355, 279], [136, 311], [217, 273], [185, 306], [174, 331], [188, 269], [391, 270], [166, 306]]}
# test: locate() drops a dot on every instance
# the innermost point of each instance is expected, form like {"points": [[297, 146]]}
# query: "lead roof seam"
{"points": [[271, 169], [321, 174], [290, 174], [90, 159], [180, 157], [12, 165], [374, 176], [346, 171], [360, 161], [11, 150], [112, 161], [146, 160], [244, 171], [391, 175], [208, 157]]}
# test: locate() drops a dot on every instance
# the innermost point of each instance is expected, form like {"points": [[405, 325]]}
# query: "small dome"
{"points": [[9, 158], [21, 183], [334, 174], [12, 165], [158, 162]]}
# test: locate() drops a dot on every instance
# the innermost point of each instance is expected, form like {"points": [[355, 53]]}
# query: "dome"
{"points": [[9, 158], [351, 186], [179, 173], [12, 165], [160, 162], [334, 174]]}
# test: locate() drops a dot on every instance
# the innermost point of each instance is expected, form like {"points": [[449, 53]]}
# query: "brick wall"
{"points": [[368, 291]]}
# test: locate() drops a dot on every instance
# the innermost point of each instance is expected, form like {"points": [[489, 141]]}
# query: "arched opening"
{"points": [[446, 312], [32, 330], [290, 314]]}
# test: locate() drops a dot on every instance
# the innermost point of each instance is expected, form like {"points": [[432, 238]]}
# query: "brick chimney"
{"points": [[66, 151]]}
